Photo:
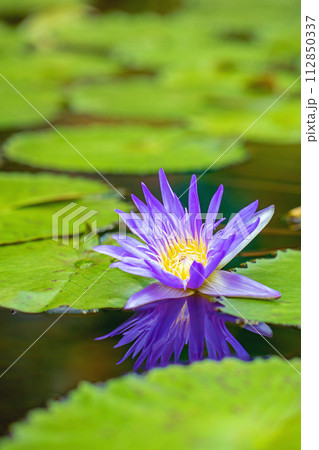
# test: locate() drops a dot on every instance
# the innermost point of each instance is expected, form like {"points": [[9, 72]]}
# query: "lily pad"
{"points": [[51, 275], [282, 273], [12, 40], [280, 125], [24, 189], [36, 222], [29, 202], [138, 149], [226, 405], [136, 98], [57, 66], [46, 97], [21, 7]]}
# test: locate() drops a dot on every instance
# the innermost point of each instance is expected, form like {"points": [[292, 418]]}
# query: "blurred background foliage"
{"points": [[206, 67]]}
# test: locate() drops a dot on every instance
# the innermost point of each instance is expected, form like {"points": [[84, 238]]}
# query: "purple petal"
{"points": [[143, 209], [132, 247], [155, 206], [170, 199], [213, 208], [195, 220], [230, 284], [196, 309], [196, 275], [111, 250], [264, 216], [244, 214], [153, 293], [260, 328], [165, 277], [135, 270], [213, 263]]}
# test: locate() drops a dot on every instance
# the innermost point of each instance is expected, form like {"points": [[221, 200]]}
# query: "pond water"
{"points": [[67, 352]]}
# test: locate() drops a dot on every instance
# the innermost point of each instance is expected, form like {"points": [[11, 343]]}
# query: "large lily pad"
{"points": [[12, 40], [58, 66], [29, 202], [280, 125], [45, 97], [36, 222], [22, 7], [282, 273], [138, 149], [135, 98], [24, 189], [226, 405], [51, 275]]}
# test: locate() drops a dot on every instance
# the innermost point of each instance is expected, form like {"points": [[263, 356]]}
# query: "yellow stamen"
{"points": [[179, 256]]}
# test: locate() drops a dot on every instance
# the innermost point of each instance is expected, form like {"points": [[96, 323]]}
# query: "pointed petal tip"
{"points": [[276, 294], [99, 248], [193, 179], [127, 306], [101, 337], [133, 197]]}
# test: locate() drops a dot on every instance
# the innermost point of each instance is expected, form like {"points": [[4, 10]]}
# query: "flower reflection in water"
{"points": [[159, 331]]}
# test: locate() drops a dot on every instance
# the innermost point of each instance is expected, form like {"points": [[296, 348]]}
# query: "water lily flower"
{"points": [[160, 329], [184, 254]]}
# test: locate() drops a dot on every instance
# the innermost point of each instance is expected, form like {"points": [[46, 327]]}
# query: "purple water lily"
{"points": [[161, 329], [184, 254]]}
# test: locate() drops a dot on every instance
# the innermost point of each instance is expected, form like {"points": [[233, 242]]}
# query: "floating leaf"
{"points": [[12, 40], [22, 7], [29, 202], [24, 189], [56, 66], [137, 98], [36, 222], [280, 125], [51, 275], [138, 149], [225, 405], [282, 273], [45, 97]]}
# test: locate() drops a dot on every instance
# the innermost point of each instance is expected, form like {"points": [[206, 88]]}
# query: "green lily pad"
{"points": [[29, 202], [57, 66], [24, 189], [12, 40], [148, 40], [226, 405], [282, 273], [51, 275], [280, 125], [22, 7], [143, 40], [138, 149], [36, 222], [135, 98], [46, 97]]}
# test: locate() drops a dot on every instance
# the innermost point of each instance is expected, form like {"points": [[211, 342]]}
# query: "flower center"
{"points": [[179, 256]]}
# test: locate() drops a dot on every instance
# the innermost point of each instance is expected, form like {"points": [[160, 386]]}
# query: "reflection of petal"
{"points": [[154, 292], [161, 329], [232, 284]]}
